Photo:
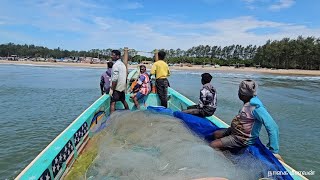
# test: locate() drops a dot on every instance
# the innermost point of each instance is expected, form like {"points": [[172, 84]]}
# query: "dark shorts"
{"points": [[139, 96], [118, 96], [107, 90], [230, 141], [201, 112]]}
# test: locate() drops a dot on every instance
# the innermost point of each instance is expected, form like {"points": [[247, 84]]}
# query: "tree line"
{"points": [[299, 53], [32, 51]]}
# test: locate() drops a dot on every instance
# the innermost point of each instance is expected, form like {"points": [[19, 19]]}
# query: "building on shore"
{"points": [[146, 62], [13, 58]]}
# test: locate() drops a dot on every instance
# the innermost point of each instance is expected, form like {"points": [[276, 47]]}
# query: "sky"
{"points": [[150, 24]]}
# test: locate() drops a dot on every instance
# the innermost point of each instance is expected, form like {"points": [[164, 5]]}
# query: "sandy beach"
{"points": [[193, 68]]}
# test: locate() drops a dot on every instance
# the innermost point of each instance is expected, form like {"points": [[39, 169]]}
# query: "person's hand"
{"points": [[111, 92], [135, 91], [278, 157]]}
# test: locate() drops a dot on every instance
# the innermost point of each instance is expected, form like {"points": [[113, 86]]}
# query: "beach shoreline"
{"points": [[193, 68]]}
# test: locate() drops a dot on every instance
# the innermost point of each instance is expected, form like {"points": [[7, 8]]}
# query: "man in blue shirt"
{"points": [[246, 126]]}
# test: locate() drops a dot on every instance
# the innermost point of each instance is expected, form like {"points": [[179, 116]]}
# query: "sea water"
{"points": [[37, 103]]}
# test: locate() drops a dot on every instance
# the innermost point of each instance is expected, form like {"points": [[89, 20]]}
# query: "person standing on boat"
{"points": [[161, 70], [118, 78], [142, 88], [246, 126], [208, 99], [105, 82]]}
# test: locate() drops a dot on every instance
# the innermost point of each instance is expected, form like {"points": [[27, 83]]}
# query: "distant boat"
{"points": [[56, 160]]}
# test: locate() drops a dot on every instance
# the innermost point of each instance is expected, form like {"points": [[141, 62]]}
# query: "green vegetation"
{"points": [[33, 51], [300, 53]]}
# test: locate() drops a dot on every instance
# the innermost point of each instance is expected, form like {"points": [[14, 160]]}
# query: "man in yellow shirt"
{"points": [[161, 70]]}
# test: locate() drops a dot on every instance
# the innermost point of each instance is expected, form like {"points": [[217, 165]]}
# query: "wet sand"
{"points": [[193, 68]]}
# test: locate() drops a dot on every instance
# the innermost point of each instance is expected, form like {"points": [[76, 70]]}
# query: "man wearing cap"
{"points": [[246, 126], [208, 99]]}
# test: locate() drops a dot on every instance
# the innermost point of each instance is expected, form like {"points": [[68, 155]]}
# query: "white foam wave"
{"points": [[253, 76]]}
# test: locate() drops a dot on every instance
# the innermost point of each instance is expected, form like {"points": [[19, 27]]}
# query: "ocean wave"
{"points": [[253, 76], [293, 78]]}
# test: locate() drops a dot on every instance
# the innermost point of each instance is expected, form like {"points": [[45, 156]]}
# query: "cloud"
{"points": [[131, 5], [88, 25], [103, 24], [241, 30], [249, 1], [251, 7], [282, 4]]}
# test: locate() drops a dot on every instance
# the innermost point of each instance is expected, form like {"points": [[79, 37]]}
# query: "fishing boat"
{"points": [[59, 157]]}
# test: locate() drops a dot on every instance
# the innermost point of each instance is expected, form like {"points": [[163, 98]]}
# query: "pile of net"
{"points": [[144, 145]]}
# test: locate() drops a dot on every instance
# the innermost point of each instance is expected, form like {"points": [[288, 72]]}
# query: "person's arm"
{"points": [[101, 85], [114, 77], [271, 126], [153, 69], [136, 87], [202, 98], [168, 71], [139, 83]]}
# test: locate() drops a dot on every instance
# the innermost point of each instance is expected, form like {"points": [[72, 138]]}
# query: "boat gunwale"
{"points": [[56, 139]]}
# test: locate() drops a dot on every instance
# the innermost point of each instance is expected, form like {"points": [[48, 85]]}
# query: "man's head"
{"points": [[115, 55], [206, 78], [143, 69], [247, 89], [110, 64], [161, 55]]}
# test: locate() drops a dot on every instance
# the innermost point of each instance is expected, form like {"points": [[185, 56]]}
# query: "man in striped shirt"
{"points": [[142, 88]]}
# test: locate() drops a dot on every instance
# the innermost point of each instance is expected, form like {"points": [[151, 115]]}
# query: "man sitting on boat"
{"points": [[208, 99], [246, 126], [142, 87]]}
